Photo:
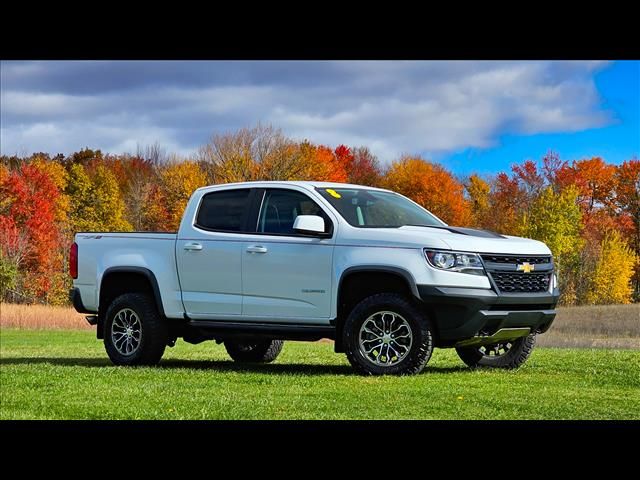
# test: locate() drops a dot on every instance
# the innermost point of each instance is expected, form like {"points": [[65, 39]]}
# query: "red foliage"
{"points": [[30, 217], [364, 168], [527, 175]]}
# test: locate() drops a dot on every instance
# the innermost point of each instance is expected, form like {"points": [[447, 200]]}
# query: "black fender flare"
{"points": [[413, 286], [148, 274]]}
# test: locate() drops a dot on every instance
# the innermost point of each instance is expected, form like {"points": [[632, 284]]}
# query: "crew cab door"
{"points": [[286, 275], [209, 254]]}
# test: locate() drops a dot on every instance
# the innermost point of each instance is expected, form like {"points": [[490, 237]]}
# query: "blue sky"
{"points": [[471, 116], [619, 88]]}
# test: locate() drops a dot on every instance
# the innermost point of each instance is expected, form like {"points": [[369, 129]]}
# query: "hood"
{"points": [[447, 237]]}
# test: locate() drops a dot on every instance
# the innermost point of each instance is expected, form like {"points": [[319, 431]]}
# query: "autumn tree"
{"points": [[530, 181], [627, 194], [611, 279], [478, 191], [506, 204], [60, 281], [627, 201], [136, 177], [363, 168], [594, 179], [177, 181], [321, 164], [551, 166], [28, 234], [56, 172], [431, 186], [85, 157], [258, 153], [95, 203]]}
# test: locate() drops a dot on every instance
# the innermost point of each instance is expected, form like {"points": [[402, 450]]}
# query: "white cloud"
{"points": [[392, 107]]}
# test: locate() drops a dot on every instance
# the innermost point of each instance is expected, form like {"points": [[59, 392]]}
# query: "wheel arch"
{"points": [[117, 281], [359, 282]]}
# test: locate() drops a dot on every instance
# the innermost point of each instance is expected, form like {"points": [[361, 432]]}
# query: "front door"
{"points": [[287, 276]]}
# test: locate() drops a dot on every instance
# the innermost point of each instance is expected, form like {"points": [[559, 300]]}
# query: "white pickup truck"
{"points": [[256, 263]]}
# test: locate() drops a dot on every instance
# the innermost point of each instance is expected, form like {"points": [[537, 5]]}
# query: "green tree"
{"points": [[554, 218], [8, 274]]}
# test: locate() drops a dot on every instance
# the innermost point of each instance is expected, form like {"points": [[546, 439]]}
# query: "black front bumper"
{"points": [[461, 313], [76, 299]]}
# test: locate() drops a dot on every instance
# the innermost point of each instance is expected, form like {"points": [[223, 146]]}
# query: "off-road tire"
{"points": [[254, 351], [422, 344], [154, 330], [514, 358]]}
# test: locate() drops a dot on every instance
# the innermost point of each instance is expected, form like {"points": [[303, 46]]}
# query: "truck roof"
{"points": [[305, 184]]}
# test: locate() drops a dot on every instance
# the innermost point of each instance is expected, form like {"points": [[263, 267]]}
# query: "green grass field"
{"points": [[66, 375]]}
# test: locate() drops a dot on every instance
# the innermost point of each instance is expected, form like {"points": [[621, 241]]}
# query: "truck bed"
{"points": [[154, 251]]}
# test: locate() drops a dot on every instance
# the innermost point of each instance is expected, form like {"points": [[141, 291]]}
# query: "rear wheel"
{"points": [[508, 354], [134, 332], [254, 351], [386, 334]]}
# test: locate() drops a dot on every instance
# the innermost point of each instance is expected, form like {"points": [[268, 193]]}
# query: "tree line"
{"points": [[587, 210]]}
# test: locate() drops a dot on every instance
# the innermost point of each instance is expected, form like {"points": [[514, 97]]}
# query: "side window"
{"points": [[224, 210], [280, 209]]}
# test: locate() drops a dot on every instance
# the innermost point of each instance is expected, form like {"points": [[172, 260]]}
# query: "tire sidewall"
{"points": [[511, 359], [419, 325], [259, 351], [517, 355], [131, 302]]}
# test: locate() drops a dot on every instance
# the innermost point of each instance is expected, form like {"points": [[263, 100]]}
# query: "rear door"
{"points": [[209, 254], [286, 275]]}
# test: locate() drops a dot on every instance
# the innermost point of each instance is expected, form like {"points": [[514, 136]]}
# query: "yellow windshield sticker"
{"points": [[333, 193]]}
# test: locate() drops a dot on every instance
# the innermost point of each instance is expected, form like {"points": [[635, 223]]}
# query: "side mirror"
{"points": [[310, 224]]}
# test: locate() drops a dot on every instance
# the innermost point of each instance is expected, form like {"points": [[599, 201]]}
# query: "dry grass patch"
{"points": [[41, 317], [598, 326]]}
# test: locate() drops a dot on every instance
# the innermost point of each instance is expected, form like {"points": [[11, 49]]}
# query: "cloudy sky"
{"points": [[468, 115]]}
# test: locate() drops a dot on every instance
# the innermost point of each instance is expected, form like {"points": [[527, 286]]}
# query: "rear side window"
{"points": [[224, 211]]}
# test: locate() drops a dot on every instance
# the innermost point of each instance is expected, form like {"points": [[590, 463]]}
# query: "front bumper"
{"points": [[462, 313]]}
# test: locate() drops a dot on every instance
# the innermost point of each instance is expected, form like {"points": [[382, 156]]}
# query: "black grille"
{"points": [[509, 282], [516, 259]]}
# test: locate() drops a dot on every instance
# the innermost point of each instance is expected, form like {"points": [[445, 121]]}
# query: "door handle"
{"points": [[257, 249], [193, 246]]}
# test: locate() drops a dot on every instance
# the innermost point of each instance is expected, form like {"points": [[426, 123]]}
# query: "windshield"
{"points": [[376, 209]]}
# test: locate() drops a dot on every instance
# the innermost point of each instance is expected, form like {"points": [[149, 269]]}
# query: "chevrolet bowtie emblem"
{"points": [[526, 267]]}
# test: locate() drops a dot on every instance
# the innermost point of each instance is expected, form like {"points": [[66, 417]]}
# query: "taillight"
{"points": [[73, 261]]}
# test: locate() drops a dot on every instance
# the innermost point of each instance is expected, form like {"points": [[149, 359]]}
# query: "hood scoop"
{"points": [[474, 232]]}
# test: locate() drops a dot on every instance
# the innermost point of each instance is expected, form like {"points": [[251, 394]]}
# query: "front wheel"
{"points": [[508, 354], [386, 334]]}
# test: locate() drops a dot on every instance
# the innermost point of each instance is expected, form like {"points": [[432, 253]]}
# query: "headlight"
{"points": [[555, 280], [455, 261]]}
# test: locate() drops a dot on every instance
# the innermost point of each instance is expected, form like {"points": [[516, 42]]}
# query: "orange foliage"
{"points": [[594, 179], [431, 186], [627, 196]]}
